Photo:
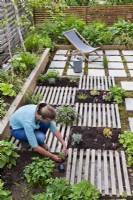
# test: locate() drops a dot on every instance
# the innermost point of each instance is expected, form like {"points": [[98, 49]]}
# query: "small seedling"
{"points": [[107, 132], [52, 81], [94, 92], [76, 138], [82, 96], [62, 156], [72, 79], [107, 96]]}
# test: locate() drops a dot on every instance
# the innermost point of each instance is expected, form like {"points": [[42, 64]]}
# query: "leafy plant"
{"points": [[7, 89], [3, 107], [117, 93], [62, 156], [82, 96], [72, 79], [84, 190], [33, 98], [52, 81], [107, 132], [94, 92], [76, 138], [51, 76], [107, 96], [4, 194], [66, 115], [126, 139], [33, 42], [8, 156], [39, 171]]}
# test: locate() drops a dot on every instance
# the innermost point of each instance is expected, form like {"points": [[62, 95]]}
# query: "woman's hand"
{"points": [[65, 150], [56, 158]]}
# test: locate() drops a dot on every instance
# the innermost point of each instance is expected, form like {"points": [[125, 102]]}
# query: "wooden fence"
{"points": [[109, 14]]}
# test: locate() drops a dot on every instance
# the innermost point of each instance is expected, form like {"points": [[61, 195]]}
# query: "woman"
{"points": [[31, 122]]}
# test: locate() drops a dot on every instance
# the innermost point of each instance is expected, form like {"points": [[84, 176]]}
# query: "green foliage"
{"points": [[73, 79], [51, 76], [4, 194], [84, 190], [33, 98], [39, 171], [107, 96], [76, 138], [62, 156], [82, 96], [7, 89], [77, 2], [107, 132], [66, 115], [8, 156], [94, 92], [3, 107], [117, 93], [126, 139], [119, 2]]}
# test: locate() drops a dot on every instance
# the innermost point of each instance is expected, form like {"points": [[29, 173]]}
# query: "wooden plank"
{"points": [[61, 95], [85, 115], [89, 115], [94, 78], [84, 81], [65, 96], [94, 115], [81, 115], [109, 81], [76, 110], [92, 175], [99, 171], [119, 175], [53, 95], [104, 116], [80, 82], [80, 166], [106, 182], [91, 82], [57, 96], [50, 94], [59, 145], [69, 160], [74, 163], [125, 172], [99, 115], [87, 82], [67, 134], [69, 96], [73, 96], [45, 94], [108, 114], [87, 164], [55, 140], [113, 116], [102, 82], [106, 84], [98, 83], [117, 116], [113, 81], [112, 173]]}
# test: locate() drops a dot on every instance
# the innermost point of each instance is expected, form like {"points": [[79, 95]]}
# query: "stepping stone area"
{"points": [[106, 169]]}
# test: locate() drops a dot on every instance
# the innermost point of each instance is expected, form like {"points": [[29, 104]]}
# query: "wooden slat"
{"points": [[85, 115], [99, 171], [53, 96], [106, 183], [109, 117], [74, 163], [112, 173], [87, 163], [104, 116], [80, 165], [69, 164], [117, 116], [92, 175], [94, 115], [90, 111], [113, 116], [99, 115]]}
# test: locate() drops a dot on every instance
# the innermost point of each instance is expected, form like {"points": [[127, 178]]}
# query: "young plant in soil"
{"points": [[73, 79], [76, 138], [39, 171], [33, 98], [126, 139], [107, 96], [94, 92], [66, 115], [51, 77], [3, 108], [82, 96], [8, 156], [107, 132], [4, 194], [118, 93]]}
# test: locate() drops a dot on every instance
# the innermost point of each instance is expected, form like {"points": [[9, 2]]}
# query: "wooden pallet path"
{"points": [[107, 170], [98, 115], [57, 95], [96, 82]]}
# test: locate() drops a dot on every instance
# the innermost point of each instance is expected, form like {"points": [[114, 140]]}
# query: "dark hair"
{"points": [[46, 111]]}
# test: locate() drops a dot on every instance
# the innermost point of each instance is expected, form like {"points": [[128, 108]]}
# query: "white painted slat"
{"points": [[87, 164], [87, 82], [84, 81], [55, 140], [112, 172], [109, 81], [94, 115], [99, 115], [67, 134], [76, 110], [117, 116], [108, 114], [61, 95], [73, 95], [45, 94], [90, 117], [69, 96], [36, 89], [80, 114], [57, 96], [106, 84], [80, 82], [99, 171], [69, 160], [102, 82], [80, 165], [74, 163], [62, 131], [126, 179], [50, 138], [41, 90], [92, 175], [65, 96], [85, 115], [50, 94], [104, 116], [94, 82], [113, 116], [91, 82], [119, 175], [106, 183], [113, 81], [53, 95], [98, 83]]}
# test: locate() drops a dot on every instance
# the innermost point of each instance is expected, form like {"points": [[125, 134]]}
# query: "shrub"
{"points": [[4, 194], [51, 76], [8, 155], [76, 138], [39, 171]]}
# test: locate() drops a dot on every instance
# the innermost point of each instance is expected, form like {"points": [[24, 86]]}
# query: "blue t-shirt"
{"points": [[24, 117]]}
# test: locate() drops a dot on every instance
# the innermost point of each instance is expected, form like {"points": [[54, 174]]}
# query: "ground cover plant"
{"points": [[33, 98], [4, 194]]}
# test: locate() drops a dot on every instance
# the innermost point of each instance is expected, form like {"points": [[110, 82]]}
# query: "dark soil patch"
{"points": [[93, 138], [91, 98], [63, 82], [14, 179]]}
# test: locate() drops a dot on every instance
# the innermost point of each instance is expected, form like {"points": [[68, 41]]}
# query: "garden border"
{"points": [[29, 84]]}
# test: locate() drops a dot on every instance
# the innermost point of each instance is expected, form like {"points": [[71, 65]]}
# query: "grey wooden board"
{"points": [[87, 164], [98, 115], [96, 82], [57, 95]]}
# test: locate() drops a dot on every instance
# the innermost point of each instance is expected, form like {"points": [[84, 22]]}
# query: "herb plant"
{"points": [[82, 96], [76, 138], [3, 107], [4, 194], [7, 89], [107, 132], [107, 96], [126, 139], [66, 115], [8, 156], [33, 98], [39, 171], [94, 92], [72, 79], [51, 76], [62, 156], [118, 93]]}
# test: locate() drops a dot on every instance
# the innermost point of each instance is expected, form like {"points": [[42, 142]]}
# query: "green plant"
{"points": [[62, 156], [84, 190], [72, 79], [4, 194], [39, 171], [3, 107], [33, 98], [82, 96], [107, 96], [8, 156], [33, 42], [76, 138], [66, 115], [124, 195], [117, 93], [94, 92], [107, 132], [105, 62], [126, 139], [7, 89], [51, 75], [52, 81]]}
